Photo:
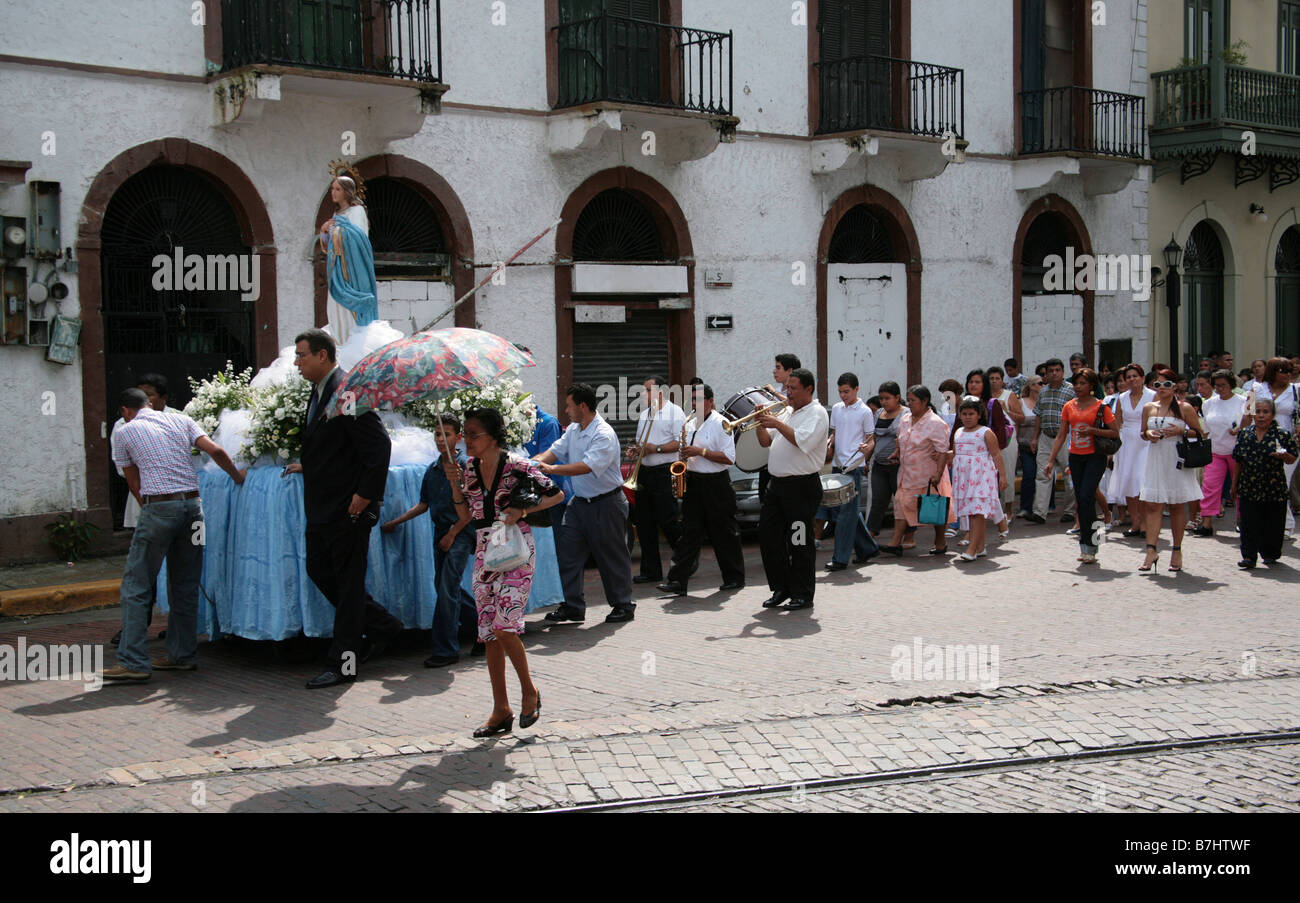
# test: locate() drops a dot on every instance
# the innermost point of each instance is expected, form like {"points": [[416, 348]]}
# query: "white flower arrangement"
{"points": [[277, 412], [225, 391], [505, 395]]}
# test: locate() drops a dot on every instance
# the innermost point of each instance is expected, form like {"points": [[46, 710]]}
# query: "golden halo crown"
{"points": [[343, 168]]}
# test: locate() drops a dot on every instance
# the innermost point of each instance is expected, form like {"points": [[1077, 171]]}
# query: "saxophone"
{"points": [[678, 467]]}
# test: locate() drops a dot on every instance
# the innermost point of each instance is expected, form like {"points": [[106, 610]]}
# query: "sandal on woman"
{"points": [[896, 551], [491, 730], [1151, 559], [528, 719], [1175, 550], [1131, 534]]}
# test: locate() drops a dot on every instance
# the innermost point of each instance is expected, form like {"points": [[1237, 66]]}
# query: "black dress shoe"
{"points": [[1035, 518], [797, 604], [836, 566], [672, 589], [565, 613], [642, 578], [440, 661], [1246, 564], [378, 644], [329, 678], [621, 613], [728, 587], [896, 551], [478, 650], [777, 599]]}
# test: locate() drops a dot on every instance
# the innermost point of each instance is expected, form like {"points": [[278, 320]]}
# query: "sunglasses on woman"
{"points": [[1163, 384]]}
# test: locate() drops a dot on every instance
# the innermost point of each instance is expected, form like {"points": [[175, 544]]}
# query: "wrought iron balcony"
{"points": [[1198, 109], [893, 95], [624, 60], [392, 38], [1082, 120]]}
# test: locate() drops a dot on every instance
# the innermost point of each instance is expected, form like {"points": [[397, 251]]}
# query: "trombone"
{"points": [[630, 482], [774, 408]]}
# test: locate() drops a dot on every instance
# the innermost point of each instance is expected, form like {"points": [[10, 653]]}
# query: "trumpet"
{"points": [[773, 408], [678, 467], [630, 482]]}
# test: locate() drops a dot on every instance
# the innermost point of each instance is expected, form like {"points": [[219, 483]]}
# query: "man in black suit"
{"points": [[344, 470]]}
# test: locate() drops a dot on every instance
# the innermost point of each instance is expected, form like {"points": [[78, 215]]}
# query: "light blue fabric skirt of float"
{"points": [[255, 582]]}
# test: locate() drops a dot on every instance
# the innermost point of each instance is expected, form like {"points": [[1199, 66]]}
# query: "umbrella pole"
{"points": [[438, 411]]}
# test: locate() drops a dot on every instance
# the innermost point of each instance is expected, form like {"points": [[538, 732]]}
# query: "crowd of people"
{"points": [[1158, 444]]}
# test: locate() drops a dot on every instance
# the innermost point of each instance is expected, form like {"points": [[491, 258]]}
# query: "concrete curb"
{"points": [[47, 600]]}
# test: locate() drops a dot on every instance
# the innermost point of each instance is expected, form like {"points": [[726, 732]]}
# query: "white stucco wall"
{"points": [[753, 206]]}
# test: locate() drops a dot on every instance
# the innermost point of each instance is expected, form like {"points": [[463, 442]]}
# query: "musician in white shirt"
{"points": [[709, 502], [797, 438], [853, 438], [656, 509]]}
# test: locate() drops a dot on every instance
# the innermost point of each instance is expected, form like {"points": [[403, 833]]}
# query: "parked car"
{"points": [[748, 506]]}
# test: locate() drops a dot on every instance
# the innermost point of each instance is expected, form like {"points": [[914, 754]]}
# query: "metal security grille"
{"points": [[404, 232], [1203, 289], [605, 352], [615, 226], [176, 332], [860, 237]]}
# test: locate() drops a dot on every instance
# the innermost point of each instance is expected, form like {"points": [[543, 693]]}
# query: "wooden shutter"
{"points": [[1033, 21]]}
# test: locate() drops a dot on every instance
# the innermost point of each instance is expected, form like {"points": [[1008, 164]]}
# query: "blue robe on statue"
{"points": [[352, 273]]}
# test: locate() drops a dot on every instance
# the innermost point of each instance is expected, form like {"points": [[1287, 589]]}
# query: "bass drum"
{"points": [[750, 456]]}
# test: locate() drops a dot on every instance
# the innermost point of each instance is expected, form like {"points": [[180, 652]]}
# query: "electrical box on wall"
{"points": [[13, 237], [44, 241], [13, 295]]}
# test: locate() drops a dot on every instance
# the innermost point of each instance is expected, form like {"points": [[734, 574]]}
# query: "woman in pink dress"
{"points": [[978, 474], [922, 461]]}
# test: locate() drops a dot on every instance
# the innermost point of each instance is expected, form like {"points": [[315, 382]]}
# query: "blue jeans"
{"points": [[1028, 463], [454, 603], [164, 530], [850, 529]]}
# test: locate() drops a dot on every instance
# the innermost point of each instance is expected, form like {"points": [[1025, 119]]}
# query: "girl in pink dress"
{"points": [[978, 477]]}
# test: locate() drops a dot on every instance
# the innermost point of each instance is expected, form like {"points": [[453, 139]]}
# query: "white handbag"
{"points": [[506, 549]]}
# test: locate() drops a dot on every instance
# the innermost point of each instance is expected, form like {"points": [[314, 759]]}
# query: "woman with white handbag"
{"points": [[503, 493]]}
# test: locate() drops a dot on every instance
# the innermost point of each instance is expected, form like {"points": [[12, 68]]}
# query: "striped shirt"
{"points": [[1050, 402], [159, 443]]}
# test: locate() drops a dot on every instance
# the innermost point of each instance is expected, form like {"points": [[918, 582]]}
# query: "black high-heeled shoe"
{"points": [[491, 730], [1172, 550], [1148, 565], [896, 551], [528, 719]]}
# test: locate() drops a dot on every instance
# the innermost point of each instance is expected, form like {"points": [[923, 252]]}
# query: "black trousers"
{"points": [[884, 483], [708, 512], [598, 529], [1086, 472], [785, 534], [1262, 526], [336, 563], [656, 509]]}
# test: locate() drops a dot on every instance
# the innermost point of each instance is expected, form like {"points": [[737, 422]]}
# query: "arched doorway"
{"points": [[424, 248], [151, 200], [1048, 320], [613, 324], [869, 259], [1287, 293], [1203, 307]]}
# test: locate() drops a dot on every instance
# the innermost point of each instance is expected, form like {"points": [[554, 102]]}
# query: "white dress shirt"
{"points": [[807, 454], [712, 437], [667, 428], [852, 425]]}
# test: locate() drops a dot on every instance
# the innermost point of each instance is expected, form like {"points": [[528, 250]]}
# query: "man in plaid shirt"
{"points": [[153, 450], [1051, 398]]}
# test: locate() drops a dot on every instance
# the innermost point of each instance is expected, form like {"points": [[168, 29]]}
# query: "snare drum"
{"points": [[837, 489], [750, 456]]}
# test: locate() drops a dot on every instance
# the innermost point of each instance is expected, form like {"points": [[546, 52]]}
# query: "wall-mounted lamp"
{"points": [[1257, 212]]}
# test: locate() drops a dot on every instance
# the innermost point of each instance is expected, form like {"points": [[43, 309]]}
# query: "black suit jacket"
{"points": [[342, 456]]}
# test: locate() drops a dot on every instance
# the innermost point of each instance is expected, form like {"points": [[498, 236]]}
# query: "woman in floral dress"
{"points": [[978, 474], [922, 460], [491, 478]]}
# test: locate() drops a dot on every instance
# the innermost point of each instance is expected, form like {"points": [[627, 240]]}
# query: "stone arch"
{"points": [[1082, 242], [255, 226], [906, 248], [452, 219]]}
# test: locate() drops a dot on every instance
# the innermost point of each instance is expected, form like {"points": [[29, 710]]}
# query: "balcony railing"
{"points": [[880, 92], [614, 58], [1190, 97], [393, 38], [1082, 120]]}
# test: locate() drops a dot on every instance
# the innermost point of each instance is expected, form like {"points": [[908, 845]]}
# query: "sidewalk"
{"points": [[53, 587]]}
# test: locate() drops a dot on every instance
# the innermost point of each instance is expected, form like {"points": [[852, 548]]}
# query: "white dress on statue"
{"points": [[341, 320]]}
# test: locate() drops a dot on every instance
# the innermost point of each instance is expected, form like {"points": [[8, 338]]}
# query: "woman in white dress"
{"points": [[1276, 385], [1131, 459], [1015, 415], [343, 192], [1164, 422]]}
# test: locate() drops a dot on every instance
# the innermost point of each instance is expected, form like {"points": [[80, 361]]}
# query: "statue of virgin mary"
{"points": [[350, 261]]}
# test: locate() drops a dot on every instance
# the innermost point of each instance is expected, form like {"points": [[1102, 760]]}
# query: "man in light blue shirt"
{"points": [[595, 522]]}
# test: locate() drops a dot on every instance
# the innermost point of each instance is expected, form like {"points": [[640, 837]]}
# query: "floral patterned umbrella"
{"points": [[426, 365]]}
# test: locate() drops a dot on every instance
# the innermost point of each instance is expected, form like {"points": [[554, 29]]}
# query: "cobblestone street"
{"points": [[714, 693]]}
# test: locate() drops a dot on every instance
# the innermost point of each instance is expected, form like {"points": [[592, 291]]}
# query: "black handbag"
{"points": [[526, 495], [1195, 452], [1104, 445]]}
